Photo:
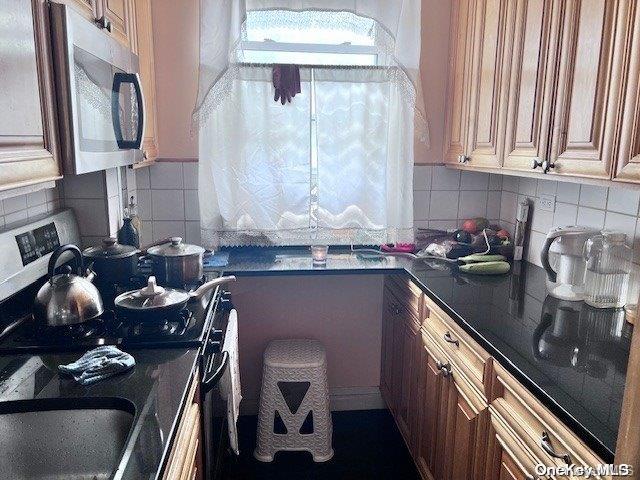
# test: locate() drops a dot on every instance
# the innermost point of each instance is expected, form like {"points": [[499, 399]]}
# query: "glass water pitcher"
{"points": [[608, 269]]}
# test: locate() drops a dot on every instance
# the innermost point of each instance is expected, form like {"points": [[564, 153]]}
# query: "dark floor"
{"points": [[366, 444]]}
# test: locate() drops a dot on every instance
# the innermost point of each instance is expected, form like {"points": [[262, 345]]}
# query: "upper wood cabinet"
{"points": [[119, 14], [29, 150], [114, 16], [487, 85], [546, 85], [530, 65], [456, 124], [142, 44], [628, 167], [588, 84]]}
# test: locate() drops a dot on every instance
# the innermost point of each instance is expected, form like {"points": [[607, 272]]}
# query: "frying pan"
{"points": [[154, 299]]}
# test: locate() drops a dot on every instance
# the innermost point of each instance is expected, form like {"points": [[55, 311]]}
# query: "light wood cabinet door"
{"points": [[120, 14], [86, 8], [488, 85], [628, 166], [29, 149], [405, 378], [531, 53], [453, 420], [142, 45], [390, 306], [457, 100], [588, 87], [432, 401]]}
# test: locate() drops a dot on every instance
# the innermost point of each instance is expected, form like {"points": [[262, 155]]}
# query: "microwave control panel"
{"points": [[37, 242]]}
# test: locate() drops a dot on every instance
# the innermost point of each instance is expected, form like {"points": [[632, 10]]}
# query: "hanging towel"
{"points": [[230, 382], [98, 364]]}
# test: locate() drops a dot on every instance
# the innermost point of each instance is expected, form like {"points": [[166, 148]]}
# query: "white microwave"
{"points": [[100, 99]]}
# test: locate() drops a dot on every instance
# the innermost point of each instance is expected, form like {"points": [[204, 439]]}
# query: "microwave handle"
{"points": [[118, 79]]}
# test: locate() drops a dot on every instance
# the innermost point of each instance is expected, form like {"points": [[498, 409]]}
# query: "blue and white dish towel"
{"points": [[98, 364]]}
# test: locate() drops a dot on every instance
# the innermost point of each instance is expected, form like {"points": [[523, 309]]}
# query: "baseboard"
{"points": [[340, 398]]}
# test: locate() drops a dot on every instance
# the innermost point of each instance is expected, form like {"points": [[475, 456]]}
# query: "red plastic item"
{"points": [[399, 247]]}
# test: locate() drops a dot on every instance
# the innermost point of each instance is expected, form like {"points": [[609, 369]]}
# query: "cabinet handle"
{"points": [[545, 443], [536, 163], [463, 159], [449, 339], [547, 165], [104, 23], [445, 368]]}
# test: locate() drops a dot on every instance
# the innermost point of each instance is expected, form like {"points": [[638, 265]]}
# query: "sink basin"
{"points": [[63, 438]]}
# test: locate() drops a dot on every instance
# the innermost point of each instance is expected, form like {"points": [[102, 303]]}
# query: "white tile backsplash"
{"points": [[593, 196], [622, 223], [510, 184], [14, 204], [191, 205], [167, 204], [142, 178], [590, 217], [528, 186], [166, 176], [163, 229], [190, 172], [445, 179], [565, 214], [474, 181], [421, 204], [623, 200], [472, 203], [444, 205], [568, 192]]}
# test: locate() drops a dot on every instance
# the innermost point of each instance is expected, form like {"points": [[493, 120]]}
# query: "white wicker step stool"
{"points": [[294, 366]]}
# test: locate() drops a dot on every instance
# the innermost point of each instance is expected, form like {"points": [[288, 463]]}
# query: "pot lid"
{"points": [[150, 297], [175, 248], [110, 248]]}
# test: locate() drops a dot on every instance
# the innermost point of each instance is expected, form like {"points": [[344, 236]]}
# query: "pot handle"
{"points": [[53, 261], [205, 287]]}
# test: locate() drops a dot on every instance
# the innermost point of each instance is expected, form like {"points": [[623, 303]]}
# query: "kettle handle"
{"points": [[53, 261], [544, 258]]}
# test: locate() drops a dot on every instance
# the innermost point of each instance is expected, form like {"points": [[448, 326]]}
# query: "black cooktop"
{"points": [[20, 332]]}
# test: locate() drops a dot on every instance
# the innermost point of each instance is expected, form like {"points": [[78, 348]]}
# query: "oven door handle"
{"points": [[211, 379]]}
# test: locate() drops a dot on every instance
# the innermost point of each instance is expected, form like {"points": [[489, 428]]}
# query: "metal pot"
{"points": [[176, 264], [113, 262], [67, 298], [153, 299]]}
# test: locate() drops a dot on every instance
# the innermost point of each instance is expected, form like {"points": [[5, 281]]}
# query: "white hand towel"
{"points": [[230, 383]]}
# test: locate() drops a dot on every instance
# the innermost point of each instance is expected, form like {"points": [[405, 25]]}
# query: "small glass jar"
{"points": [[608, 269], [319, 254]]}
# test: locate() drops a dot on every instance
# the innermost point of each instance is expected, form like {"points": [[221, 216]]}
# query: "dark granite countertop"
{"points": [[157, 387], [572, 357]]}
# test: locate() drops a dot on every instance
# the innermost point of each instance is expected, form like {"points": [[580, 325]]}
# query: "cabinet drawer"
{"points": [[463, 350], [408, 293], [540, 432]]}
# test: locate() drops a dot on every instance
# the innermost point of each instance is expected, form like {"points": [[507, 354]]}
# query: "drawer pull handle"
{"points": [[445, 368], [545, 443], [449, 339]]}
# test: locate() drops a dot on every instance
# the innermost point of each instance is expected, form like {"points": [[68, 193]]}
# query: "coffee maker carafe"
{"points": [[564, 263]]}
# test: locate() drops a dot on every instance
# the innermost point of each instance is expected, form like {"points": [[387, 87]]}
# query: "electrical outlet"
{"points": [[547, 203]]}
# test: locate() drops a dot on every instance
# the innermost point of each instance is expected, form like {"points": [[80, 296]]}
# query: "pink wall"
{"points": [[175, 37], [343, 312], [175, 26]]}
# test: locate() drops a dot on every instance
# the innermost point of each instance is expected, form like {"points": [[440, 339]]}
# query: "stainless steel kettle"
{"points": [[68, 298]]}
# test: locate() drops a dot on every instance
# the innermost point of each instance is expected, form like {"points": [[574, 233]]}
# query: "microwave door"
{"points": [[109, 113], [127, 110]]}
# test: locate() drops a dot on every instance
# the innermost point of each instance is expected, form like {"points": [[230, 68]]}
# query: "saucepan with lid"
{"points": [[153, 301], [114, 263], [176, 264]]}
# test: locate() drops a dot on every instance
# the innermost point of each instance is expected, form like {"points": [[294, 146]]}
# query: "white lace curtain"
{"points": [[264, 176]]}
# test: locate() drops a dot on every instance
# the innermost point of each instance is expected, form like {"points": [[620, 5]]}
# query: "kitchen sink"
{"points": [[51, 439]]}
